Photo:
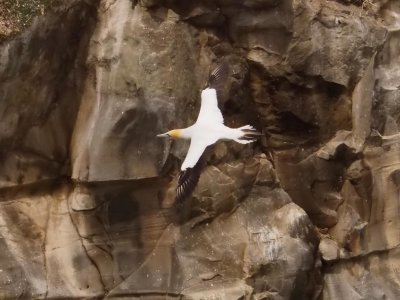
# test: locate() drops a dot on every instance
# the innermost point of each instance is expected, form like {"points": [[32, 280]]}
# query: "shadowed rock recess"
{"points": [[310, 211]]}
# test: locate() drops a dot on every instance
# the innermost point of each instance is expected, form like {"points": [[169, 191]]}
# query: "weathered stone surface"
{"points": [[87, 192], [367, 228], [140, 82], [41, 75], [202, 261], [39, 231], [372, 277], [341, 62], [125, 245]]}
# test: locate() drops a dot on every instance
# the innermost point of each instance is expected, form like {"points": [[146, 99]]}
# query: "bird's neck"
{"points": [[185, 133]]}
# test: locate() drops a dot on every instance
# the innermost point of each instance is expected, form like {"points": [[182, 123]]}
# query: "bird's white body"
{"points": [[208, 129]]}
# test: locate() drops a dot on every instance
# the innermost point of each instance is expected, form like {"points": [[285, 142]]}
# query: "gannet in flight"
{"points": [[205, 132]]}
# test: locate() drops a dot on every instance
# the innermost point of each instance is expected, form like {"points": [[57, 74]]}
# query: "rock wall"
{"points": [[308, 212]]}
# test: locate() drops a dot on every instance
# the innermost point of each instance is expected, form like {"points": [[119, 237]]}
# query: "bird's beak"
{"points": [[162, 135]]}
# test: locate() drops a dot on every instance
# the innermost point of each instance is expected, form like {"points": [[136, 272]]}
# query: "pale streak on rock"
{"points": [[128, 99], [362, 105]]}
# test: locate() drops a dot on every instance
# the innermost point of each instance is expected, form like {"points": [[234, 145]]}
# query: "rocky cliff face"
{"points": [[311, 211]]}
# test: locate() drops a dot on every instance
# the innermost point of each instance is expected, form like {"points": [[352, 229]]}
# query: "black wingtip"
{"points": [[252, 133], [189, 178], [218, 76], [186, 184]]}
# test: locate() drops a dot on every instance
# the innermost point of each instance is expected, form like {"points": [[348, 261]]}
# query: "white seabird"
{"points": [[205, 132]]}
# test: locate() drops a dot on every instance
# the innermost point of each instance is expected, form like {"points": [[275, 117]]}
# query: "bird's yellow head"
{"points": [[175, 134]]}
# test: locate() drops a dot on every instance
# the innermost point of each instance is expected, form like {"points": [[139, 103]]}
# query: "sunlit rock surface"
{"points": [[310, 211]]}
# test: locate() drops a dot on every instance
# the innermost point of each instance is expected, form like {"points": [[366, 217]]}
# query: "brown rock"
{"points": [[152, 69], [41, 75], [329, 249]]}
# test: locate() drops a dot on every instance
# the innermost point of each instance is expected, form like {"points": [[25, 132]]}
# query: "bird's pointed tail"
{"points": [[249, 134]]}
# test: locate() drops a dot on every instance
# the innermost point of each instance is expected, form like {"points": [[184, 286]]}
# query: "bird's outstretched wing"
{"points": [[209, 111], [191, 169], [218, 78], [199, 148]]}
